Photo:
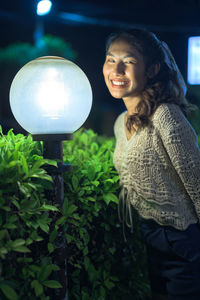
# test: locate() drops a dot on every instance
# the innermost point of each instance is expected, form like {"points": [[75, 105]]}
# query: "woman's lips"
{"points": [[119, 83]]}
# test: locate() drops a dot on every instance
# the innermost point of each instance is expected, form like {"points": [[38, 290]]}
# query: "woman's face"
{"points": [[124, 70]]}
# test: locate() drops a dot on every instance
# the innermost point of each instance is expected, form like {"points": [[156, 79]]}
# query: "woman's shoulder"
{"points": [[169, 118], [118, 125], [168, 112]]}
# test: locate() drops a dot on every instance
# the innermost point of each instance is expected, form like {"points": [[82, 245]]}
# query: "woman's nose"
{"points": [[119, 68]]}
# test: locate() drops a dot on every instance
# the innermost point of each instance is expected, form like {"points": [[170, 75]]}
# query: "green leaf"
{"points": [[61, 220], [86, 263], [37, 287], [17, 243], [91, 173], [22, 188], [112, 250], [71, 209], [69, 238], [109, 284], [50, 162], [2, 233], [12, 219], [53, 284], [35, 268], [8, 291], [44, 272], [3, 251], [24, 164], [51, 247], [102, 291], [29, 241], [114, 278], [85, 251], [34, 235], [94, 147], [84, 139], [49, 207], [53, 235], [75, 182], [24, 260], [44, 227], [110, 197], [22, 249], [6, 208], [95, 182], [16, 204], [91, 199]]}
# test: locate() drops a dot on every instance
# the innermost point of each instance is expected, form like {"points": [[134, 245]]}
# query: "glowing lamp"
{"points": [[44, 7], [50, 95]]}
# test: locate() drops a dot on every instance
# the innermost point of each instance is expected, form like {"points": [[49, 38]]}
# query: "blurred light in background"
{"points": [[44, 7], [193, 73]]}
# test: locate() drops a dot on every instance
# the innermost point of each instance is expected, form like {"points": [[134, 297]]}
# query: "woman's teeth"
{"points": [[118, 82]]}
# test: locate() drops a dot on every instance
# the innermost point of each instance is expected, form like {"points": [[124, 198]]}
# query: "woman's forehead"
{"points": [[123, 47]]}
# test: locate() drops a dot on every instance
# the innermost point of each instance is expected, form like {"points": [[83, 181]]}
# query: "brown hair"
{"points": [[167, 86]]}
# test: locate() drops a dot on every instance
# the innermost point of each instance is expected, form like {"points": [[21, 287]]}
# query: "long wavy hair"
{"points": [[167, 86]]}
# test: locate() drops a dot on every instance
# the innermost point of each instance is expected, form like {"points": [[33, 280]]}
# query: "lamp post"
{"points": [[51, 98], [43, 8]]}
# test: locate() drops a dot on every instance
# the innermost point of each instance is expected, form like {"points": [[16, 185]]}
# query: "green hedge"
{"points": [[101, 265], [20, 53]]}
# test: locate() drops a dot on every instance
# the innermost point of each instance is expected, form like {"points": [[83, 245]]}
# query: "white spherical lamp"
{"points": [[50, 95]]}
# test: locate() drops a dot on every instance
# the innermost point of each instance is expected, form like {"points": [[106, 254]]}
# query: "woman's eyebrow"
{"points": [[129, 55], [109, 54]]}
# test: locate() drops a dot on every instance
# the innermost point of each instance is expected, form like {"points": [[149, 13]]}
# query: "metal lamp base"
{"points": [[53, 149], [52, 137]]}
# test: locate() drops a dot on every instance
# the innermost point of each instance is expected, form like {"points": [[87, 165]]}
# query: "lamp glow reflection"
{"points": [[50, 95]]}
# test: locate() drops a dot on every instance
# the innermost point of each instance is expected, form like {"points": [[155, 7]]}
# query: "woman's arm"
{"points": [[181, 144]]}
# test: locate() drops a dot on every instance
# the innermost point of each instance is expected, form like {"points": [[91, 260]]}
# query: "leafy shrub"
{"points": [[20, 53], [100, 264]]}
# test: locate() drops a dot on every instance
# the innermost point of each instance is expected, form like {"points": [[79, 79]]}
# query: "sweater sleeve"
{"points": [[181, 144]]}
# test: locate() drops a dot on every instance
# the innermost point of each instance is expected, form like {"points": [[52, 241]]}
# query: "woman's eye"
{"points": [[129, 62], [111, 60]]}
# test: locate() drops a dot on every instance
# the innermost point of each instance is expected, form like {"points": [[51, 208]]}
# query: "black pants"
{"points": [[173, 260]]}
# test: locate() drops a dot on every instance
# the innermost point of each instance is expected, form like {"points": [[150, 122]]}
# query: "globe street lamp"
{"points": [[51, 98]]}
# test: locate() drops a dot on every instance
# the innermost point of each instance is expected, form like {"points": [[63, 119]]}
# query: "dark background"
{"points": [[86, 24]]}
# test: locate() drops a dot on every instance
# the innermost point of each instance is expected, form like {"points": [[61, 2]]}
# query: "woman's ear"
{"points": [[153, 70]]}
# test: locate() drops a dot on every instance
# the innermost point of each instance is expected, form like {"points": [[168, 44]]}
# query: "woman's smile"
{"points": [[118, 83]]}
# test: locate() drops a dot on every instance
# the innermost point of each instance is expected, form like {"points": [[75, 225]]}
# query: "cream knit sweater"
{"points": [[159, 169]]}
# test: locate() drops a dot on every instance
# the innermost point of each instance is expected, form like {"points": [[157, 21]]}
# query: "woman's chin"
{"points": [[116, 95]]}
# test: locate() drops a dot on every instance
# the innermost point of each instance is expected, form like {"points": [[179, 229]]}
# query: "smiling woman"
{"points": [[153, 143]]}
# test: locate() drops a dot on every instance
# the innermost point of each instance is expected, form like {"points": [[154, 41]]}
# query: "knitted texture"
{"points": [[159, 169]]}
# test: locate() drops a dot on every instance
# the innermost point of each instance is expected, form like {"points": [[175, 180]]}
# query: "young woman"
{"points": [[158, 160]]}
